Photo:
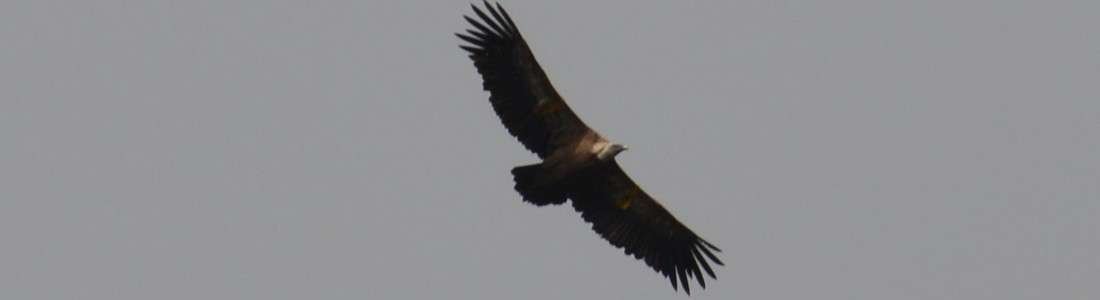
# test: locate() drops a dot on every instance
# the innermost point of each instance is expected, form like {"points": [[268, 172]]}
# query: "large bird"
{"points": [[578, 164]]}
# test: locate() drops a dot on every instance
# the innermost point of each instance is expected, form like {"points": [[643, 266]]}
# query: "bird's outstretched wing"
{"points": [[520, 92], [630, 219]]}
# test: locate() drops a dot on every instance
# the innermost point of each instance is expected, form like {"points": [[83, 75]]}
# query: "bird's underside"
{"points": [[577, 163]]}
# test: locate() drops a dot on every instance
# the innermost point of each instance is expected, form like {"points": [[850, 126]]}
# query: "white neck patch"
{"points": [[603, 150]]}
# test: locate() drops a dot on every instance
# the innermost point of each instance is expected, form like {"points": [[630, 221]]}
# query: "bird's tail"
{"points": [[536, 186]]}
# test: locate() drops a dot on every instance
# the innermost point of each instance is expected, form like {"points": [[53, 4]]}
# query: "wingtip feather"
{"points": [[488, 21]]}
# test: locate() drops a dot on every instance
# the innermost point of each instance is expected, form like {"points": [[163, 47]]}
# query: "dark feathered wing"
{"points": [[520, 92], [630, 219]]}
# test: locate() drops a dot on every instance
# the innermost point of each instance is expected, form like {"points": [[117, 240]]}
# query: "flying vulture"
{"points": [[578, 164]]}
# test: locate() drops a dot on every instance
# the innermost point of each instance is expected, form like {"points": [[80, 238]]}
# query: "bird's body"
{"points": [[578, 164], [589, 151]]}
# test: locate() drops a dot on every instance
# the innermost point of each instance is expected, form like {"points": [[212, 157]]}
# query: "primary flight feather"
{"points": [[578, 164]]}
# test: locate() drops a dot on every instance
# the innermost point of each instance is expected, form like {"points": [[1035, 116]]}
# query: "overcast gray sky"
{"points": [[345, 150]]}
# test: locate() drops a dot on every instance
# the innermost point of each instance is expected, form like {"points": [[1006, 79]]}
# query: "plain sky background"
{"points": [[345, 149]]}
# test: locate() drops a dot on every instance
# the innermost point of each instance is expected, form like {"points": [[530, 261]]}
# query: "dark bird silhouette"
{"points": [[578, 164]]}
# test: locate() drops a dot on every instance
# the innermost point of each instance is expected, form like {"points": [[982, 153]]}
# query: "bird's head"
{"points": [[611, 151], [616, 148]]}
